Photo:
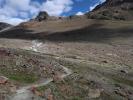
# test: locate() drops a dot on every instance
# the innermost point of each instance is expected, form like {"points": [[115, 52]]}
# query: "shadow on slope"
{"points": [[20, 33], [92, 33]]}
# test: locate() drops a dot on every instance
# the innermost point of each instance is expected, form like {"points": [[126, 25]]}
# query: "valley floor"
{"points": [[101, 70]]}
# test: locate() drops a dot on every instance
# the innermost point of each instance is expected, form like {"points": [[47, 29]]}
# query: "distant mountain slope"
{"points": [[80, 29], [4, 25], [113, 9]]}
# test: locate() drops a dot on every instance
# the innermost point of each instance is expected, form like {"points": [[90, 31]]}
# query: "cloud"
{"points": [[100, 2], [16, 11], [92, 7], [57, 7], [79, 13], [10, 20], [79, 0], [23, 14], [19, 5]]}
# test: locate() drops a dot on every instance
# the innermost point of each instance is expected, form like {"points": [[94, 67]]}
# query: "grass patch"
{"points": [[122, 80], [42, 88], [20, 77], [24, 78]]}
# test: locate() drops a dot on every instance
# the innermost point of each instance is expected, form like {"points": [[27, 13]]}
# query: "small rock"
{"points": [[34, 91], [13, 89], [3, 80], [50, 97], [119, 92], [105, 61], [47, 92], [58, 79], [15, 69], [123, 71], [94, 93], [24, 66]]}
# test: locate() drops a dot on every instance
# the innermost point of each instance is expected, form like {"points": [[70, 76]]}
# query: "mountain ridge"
{"points": [[4, 25], [113, 10]]}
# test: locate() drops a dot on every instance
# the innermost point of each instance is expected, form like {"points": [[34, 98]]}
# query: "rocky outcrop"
{"points": [[117, 2], [42, 16], [113, 10]]}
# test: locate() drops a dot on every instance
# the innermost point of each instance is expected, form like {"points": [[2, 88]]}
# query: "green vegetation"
{"points": [[41, 88], [122, 80], [24, 78], [68, 90], [20, 77]]}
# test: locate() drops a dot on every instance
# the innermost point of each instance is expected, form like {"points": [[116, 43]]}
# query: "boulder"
{"points": [[3, 80]]}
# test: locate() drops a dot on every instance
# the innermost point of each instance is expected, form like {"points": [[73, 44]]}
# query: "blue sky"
{"points": [[17, 11]]}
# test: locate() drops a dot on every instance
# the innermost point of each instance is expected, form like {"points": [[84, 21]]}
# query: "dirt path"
{"points": [[25, 94]]}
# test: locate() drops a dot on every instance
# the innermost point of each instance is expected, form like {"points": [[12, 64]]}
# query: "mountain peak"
{"points": [[43, 15]]}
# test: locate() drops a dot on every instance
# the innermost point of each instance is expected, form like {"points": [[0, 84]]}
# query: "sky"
{"points": [[17, 11]]}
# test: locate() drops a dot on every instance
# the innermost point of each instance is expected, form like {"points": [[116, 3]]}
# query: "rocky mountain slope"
{"points": [[4, 25], [113, 9]]}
